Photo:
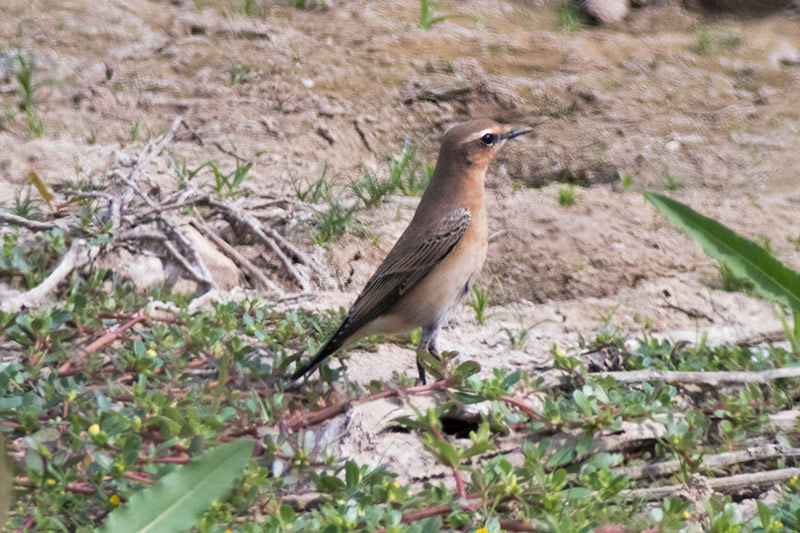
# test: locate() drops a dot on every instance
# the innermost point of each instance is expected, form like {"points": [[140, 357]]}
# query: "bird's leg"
{"points": [[421, 370], [427, 345]]}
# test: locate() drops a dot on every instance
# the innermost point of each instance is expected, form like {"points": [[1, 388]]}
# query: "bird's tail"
{"points": [[329, 348]]}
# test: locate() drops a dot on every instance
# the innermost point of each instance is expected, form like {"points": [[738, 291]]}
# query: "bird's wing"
{"points": [[411, 259], [400, 272]]}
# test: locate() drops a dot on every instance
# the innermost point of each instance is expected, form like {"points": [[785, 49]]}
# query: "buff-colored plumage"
{"points": [[429, 269]]}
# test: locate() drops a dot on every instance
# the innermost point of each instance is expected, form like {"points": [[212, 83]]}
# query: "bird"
{"points": [[429, 270]]}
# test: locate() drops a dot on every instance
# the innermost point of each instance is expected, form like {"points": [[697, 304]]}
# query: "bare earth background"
{"points": [[345, 85]]}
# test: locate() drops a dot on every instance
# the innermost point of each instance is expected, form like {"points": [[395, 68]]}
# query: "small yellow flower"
{"points": [[51, 482], [686, 514], [793, 480], [94, 429], [114, 499], [396, 485], [228, 531], [778, 524], [561, 352], [151, 352], [482, 530]]}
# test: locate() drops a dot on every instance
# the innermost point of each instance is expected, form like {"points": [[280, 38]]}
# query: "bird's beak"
{"points": [[516, 131]]}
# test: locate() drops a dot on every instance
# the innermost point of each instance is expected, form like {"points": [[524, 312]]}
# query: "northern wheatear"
{"points": [[430, 268]]}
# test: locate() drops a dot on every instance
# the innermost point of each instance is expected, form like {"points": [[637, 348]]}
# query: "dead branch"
{"points": [[240, 259], [731, 484], [112, 335], [711, 461], [79, 254], [247, 220], [33, 225], [710, 379]]}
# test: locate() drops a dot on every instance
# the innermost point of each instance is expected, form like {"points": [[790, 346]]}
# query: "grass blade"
{"points": [[745, 258], [176, 502]]}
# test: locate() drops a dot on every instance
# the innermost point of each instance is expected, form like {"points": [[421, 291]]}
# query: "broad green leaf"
{"points": [[175, 503], [745, 258], [764, 514]]}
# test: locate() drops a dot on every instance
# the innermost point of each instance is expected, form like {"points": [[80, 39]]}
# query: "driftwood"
{"points": [[79, 255]]}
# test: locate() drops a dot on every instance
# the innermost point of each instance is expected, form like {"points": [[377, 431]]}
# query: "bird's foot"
{"points": [[430, 361]]}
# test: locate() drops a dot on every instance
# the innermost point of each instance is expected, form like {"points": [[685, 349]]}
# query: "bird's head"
{"points": [[475, 143]]}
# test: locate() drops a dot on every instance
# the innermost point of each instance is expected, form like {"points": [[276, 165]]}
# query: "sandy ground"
{"points": [[341, 86]]}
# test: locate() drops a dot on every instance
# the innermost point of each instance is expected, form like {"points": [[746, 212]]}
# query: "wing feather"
{"points": [[403, 268], [397, 275]]}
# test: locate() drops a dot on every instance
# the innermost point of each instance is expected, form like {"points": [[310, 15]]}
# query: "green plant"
{"points": [[566, 195], [671, 182], [370, 189], [744, 258], [731, 282], [240, 74], [316, 191], [626, 180], [32, 263], [26, 207], [330, 222], [408, 173], [479, 301], [709, 40], [250, 8], [177, 501], [136, 131], [24, 76], [703, 41], [428, 18], [517, 339], [309, 4], [571, 16], [225, 185]]}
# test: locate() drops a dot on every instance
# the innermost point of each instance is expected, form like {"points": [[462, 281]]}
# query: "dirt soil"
{"points": [[702, 104]]}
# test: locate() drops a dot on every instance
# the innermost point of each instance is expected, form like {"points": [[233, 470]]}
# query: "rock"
{"points": [[144, 271], [223, 270], [607, 11]]}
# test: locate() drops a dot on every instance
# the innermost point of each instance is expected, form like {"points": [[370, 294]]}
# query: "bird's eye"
{"points": [[489, 139]]}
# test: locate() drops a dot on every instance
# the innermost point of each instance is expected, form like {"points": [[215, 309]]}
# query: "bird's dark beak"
{"points": [[516, 131]]}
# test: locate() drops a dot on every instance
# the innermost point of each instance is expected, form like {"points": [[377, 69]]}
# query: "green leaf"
{"points": [[176, 501], [745, 258], [763, 514], [562, 456], [576, 493], [582, 401], [464, 370], [352, 474]]}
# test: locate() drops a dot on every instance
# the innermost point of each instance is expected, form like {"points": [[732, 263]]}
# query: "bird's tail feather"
{"points": [[329, 348]]}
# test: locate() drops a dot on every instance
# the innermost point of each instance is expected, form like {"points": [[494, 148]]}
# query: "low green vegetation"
{"points": [[22, 67], [712, 40], [672, 182], [428, 18], [566, 195], [408, 175], [124, 417], [479, 300], [250, 8], [225, 185], [571, 16], [626, 180], [330, 221], [240, 74]]}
